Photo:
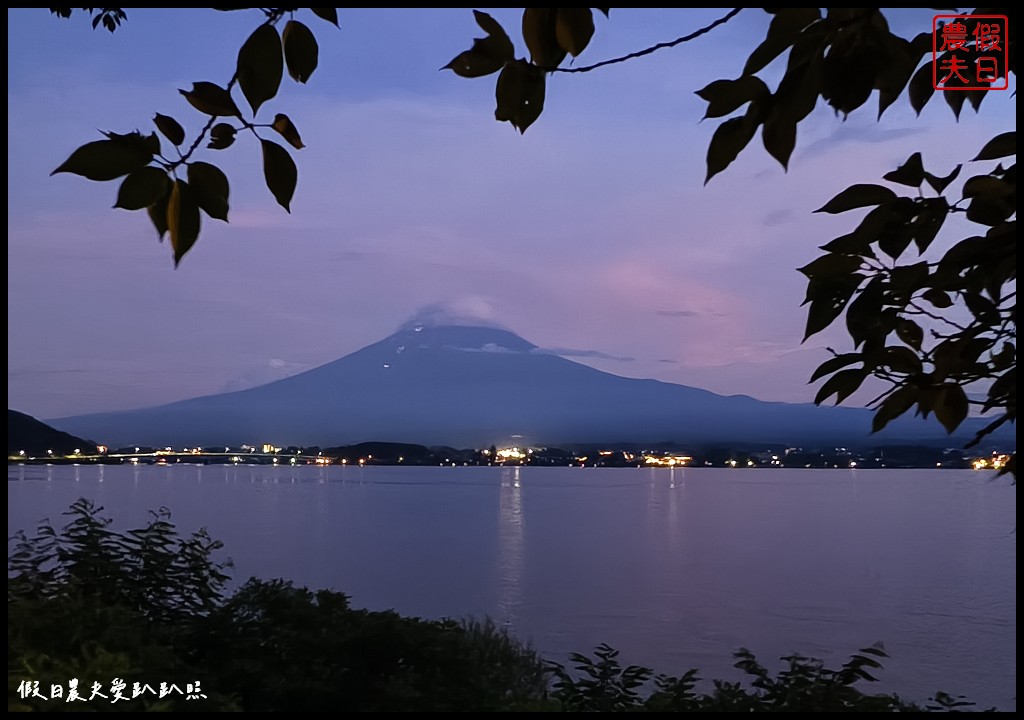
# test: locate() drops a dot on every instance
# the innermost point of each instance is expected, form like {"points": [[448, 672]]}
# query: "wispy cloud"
{"points": [[688, 313], [273, 369], [570, 352], [778, 217], [466, 310], [490, 348], [864, 132]]}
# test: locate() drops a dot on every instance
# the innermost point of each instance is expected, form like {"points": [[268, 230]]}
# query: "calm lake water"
{"points": [[676, 568]]}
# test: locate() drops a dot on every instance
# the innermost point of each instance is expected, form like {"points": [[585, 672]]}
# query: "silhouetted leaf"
{"points": [[938, 298], [878, 648], [211, 99], [981, 307], [909, 173], [843, 384], [488, 24], [926, 397], [975, 98], [1000, 146], [855, 196], [280, 173], [210, 189], [921, 45], [902, 360], [725, 96], [158, 212], [967, 252], [909, 277], [539, 35], [260, 66], [783, 31], [182, 219], [955, 100], [222, 135], [988, 186], [864, 317], [895, 241], [137, 141], [849, 76], [474, 63], [106, 159], [892, 407], [940, 184], [573, 29], [729, 139], [951, 406], [831, 265], [877, 224], [301, 51], [519, 94], [921, 88], [910, 332], [993, 199], [284, 126], [835, 363], [488, 55], [827, 300], [850, 244], [798, 91], [1006, 384], [328, 14], [896, 63], [142, 188], [779, 137], [170, 128], [958, 355], [929, 221]]}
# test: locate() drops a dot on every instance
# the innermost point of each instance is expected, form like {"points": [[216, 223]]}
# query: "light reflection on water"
{"points": [[676, 567], [511, 530]]}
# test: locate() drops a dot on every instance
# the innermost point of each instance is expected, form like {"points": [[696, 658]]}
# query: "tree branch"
{"points": [[654, 48], [987, 430], [918, 310]]}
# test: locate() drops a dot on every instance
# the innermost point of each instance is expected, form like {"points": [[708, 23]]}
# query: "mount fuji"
{"points": [[472, 386]]}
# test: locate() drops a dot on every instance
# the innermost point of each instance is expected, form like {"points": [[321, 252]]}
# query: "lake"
{"points": [[675, 567]]}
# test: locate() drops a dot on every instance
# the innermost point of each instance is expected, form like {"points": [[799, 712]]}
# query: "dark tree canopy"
{"points": [[938, 326]]}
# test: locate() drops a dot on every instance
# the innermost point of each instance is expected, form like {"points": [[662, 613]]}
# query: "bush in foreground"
{"points": [[142, 620]]}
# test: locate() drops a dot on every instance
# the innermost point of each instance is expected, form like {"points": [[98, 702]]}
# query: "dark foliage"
{"points": [[147, 605]]}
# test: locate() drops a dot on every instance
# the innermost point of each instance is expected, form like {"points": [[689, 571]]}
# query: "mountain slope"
{"points": [[471, 386], [35, 438]]}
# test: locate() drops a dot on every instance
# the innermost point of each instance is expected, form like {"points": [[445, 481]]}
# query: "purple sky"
{"points": [[592, 232]]}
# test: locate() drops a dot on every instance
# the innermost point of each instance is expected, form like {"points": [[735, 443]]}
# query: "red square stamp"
{"points": [[969, 52]]}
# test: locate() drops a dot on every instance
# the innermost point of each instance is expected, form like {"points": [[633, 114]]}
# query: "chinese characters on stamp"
{"points": [[969, 52]]}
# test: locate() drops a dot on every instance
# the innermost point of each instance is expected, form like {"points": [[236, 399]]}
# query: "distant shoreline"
{"points": [[964, 465]]}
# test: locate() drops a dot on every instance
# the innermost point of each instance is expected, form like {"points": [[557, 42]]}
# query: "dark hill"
{"points": [[35, 438]]}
